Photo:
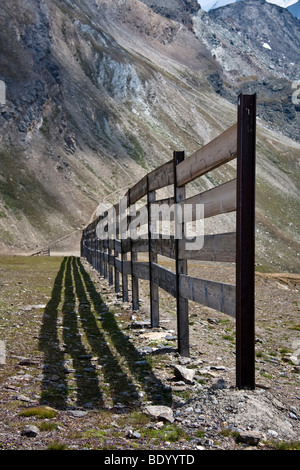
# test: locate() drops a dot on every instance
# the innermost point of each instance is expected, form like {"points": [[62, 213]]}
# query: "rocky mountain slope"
{"points": [[257, 46], [100, 92]]}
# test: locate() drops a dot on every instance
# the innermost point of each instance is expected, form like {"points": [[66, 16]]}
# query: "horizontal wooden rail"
{"points": [[216, 247], [216, 295], [217, 152], [218, 200]]}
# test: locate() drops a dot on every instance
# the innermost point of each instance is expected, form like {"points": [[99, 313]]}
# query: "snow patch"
{"points": [[267, 46]]}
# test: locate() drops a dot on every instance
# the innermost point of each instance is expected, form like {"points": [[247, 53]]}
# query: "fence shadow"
{"points": [[89, 361]]}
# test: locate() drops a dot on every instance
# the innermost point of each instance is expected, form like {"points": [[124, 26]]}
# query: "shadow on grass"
{"points": [[89, 361]]}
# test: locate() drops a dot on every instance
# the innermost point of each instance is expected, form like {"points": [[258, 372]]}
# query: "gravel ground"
{"points": [[81, 369]]}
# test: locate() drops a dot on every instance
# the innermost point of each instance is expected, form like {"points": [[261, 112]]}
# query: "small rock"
{"points": [[140, 324], [184, 360], [84, 357], [133, 434], [251, 438], [78, 413], [141, 363], [185, 374], [208, 442], [160, 412], [26, 361], [295, 358], [218, 367], [23, 398], [219, 385], [30, 431], [213, 320]]}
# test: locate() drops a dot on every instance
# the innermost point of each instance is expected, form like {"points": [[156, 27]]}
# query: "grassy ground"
{"points": [[59, 332], [68, 347]]}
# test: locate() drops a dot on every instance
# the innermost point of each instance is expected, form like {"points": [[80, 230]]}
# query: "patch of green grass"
{"points": [[48, 426], [286, 445], [226, 432], [200, 433], [137, 418], [266, 375], [284, 351], [39, 412], [260, 354], [57, 446], [95, 433], [170, 433], [228, 338], [295, 327]]}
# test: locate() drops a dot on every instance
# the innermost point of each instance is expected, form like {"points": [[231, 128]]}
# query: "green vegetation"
{"points": [[136, 151], [169, 432], [283, 445], [52, 311], [41, 412], [57, 446], [23, 195]]}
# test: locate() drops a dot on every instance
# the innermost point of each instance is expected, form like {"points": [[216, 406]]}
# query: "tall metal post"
{"points": [[245, 243]]}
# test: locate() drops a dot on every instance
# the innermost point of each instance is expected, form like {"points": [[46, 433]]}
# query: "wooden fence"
{"points": [[115, 255]]}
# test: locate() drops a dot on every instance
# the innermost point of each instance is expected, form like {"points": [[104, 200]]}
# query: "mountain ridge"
{"points": [[208, 5]]}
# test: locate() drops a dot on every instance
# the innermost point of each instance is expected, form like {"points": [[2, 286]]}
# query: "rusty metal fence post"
{"points": [[245, 243]]}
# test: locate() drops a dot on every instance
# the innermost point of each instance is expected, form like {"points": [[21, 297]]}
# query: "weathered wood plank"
{"points": [[220, 150], [137, 246], [125, 245], [216, 247], [218, 200], [126, 270], [140, 269], [161, 176], [215, 295], [164, 278], [118, 248], [141, 245], [164, 246], [168, 200], [118, 264], [138, 191]]}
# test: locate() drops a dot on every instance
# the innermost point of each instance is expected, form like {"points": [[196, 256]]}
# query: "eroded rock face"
{"points": [[247, 40], [179, 10]]}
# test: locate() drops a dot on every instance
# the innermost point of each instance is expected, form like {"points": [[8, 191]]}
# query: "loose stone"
{"points": [[30, 431]]}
